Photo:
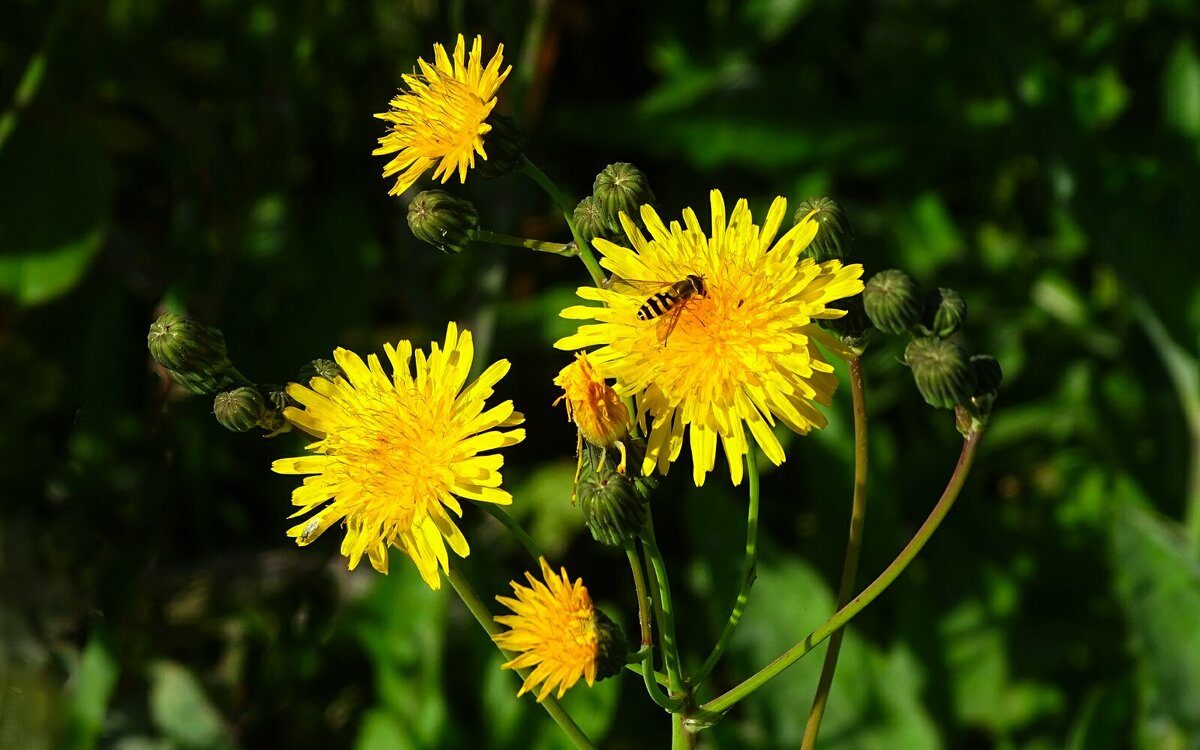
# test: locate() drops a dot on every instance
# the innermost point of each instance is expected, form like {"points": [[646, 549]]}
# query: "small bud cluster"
{"points": [[620, 188], [196, 357], [946, 375]]}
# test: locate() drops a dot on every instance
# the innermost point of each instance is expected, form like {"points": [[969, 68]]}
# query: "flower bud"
{"points": [[945, 312], [320, 368], [987, 373], [941, 370], [441, 220], [892, 301], [834, 235], [592, 404], [621, 187], [178, 342], [504, 144], [612, 648], [589, 219], [239, 410], [852, 326], [614, 507], [272, 419]]}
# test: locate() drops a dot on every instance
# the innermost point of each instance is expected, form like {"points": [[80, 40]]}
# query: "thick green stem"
{"points": [[484, 616], [554, 248], [510, 523], [647, 648], [568, 211], [665, 610], [749, 573], [878, 586], [681, 737], [858, 514]]}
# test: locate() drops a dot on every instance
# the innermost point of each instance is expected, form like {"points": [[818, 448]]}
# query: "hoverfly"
{"points": [[667, 299]]}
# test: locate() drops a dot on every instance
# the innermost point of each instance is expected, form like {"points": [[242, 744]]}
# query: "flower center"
{"points": [[445, 118]]}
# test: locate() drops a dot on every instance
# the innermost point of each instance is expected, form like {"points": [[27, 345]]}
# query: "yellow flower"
{"points": [[392, 453], [556, 630], [741, 353], [440, 117]]}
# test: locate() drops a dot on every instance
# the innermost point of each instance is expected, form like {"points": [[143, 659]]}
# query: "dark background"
{"points": [[214, 157]]}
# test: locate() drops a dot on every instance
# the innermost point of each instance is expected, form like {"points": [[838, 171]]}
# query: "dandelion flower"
{"points": [[393, 454], [439, 121], [740, 354], [555, 630]]}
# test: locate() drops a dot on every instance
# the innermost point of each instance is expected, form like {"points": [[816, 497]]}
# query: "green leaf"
{"points": [[182, 712], [1181, 89], [52, 220], [1158, 583], [91, 689]]}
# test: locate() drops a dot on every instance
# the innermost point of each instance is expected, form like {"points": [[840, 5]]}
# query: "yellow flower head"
{"points": [[554, 629], [440, 117], [393, 452], [741, 351], [592, 404]]}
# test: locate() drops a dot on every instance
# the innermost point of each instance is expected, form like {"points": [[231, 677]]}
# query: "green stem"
{"points": [[665, 610], [568, 211], [647, 649], [484, 617], [878, 586], [510, 523], [681, 738], [749, 573], [555, 248], [858, 513]]}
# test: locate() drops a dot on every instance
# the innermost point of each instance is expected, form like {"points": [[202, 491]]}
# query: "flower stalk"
{"points": [[749, 573], [858, 513], [568, 211], [966, 458], [554, 248]]}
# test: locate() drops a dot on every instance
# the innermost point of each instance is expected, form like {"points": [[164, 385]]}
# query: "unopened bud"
{"points": [[941, 370], [239, 410], [852, 326], [178, 342], [504, 144], [621, 188], [193, 353], [320, 368], [441, 220], [614, 507], [892, 301], [945, 312], [987, 374], [612, 648], [834, 233], [589, 219]]}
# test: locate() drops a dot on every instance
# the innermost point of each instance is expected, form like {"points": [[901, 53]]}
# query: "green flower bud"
{"points": [[589, 219], [440, 219], [613, 504], [320, 368], [612, 649], [892, 301], [505, 147], [178, 342], [941, 370], [852, 326], [835, 234], [945, 312], [272, 419], [987, 374], [241, 409], [621, 187]]}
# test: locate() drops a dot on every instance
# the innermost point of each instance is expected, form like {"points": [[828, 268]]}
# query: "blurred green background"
{"points": [[1043, 158]]}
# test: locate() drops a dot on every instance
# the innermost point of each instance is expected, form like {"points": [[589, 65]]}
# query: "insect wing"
{"points": [[640, 286], [668, 321]]}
